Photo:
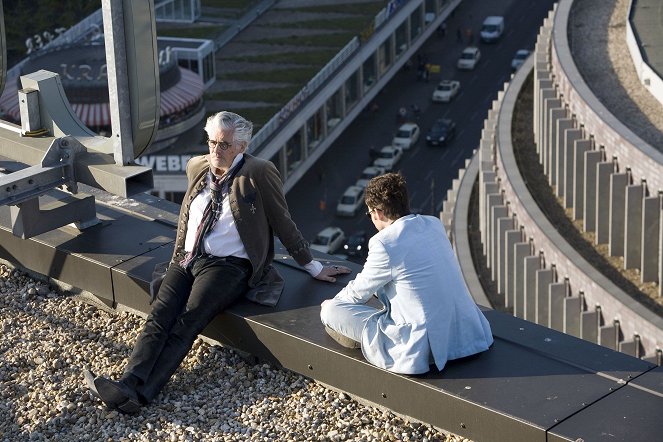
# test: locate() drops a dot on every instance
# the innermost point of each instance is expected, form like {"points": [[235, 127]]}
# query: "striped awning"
{"points": [[183, 94]]}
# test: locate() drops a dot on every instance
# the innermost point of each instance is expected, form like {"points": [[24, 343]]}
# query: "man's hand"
{"points": [[328, 273]]}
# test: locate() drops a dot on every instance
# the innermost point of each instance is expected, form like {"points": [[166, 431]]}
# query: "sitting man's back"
{"points": [[429, 315]]}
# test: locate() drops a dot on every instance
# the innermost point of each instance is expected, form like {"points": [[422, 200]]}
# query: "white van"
{"points": [[492, 28]]}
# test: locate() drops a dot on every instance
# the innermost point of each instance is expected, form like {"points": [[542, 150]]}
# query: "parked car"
{"points": [[442, 131], [357, 244], [445, 91], [406, 136], [492, 28], [389, 157], [469, 58], [519, 58], [329, 240], [351, 201], [369, 173]]}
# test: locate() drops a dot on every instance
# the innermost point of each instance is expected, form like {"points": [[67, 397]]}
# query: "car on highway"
{"points": [[356, 244], [389, 157], [406, 136], [368, 174], [329, 240], [445, 91], [351, 201], [519, 59], [469, 58], [442, 131]]}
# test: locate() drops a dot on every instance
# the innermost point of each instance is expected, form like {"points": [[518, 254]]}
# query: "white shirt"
{"points": [[224, 238]]}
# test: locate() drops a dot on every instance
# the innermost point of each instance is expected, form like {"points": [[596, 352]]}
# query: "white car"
{"points": [[492, 29], [388, 158], [519, 58], [351, 201], [406, 136], [445, 91], [368, 174], [329, 240], [469, 58]]}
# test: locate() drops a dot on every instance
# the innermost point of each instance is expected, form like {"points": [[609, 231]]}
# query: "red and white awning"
{"points": [[183, 94]]}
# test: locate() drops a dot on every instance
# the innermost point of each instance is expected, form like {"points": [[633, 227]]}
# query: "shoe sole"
{"points": [[89, 380], [115, 397], [342, 339]]}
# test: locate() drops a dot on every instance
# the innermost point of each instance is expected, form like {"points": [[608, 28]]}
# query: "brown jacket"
{"points": [[260, 211]]}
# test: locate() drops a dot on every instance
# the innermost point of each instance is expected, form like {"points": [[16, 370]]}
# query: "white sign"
{"points": [[165, 163]]}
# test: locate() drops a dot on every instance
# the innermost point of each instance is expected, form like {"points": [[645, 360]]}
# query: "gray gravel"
{"points": [[49, 337], [598, 42]]}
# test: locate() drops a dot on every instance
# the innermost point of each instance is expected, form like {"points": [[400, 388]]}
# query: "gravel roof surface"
{"points": [[597, 32]]}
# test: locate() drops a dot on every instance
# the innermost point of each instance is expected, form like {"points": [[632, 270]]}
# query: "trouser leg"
{"points": [[217, 284], [346, 318], [169, 303]]}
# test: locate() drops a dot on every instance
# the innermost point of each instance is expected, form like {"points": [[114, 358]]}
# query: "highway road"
{"points": [[429, 171]]}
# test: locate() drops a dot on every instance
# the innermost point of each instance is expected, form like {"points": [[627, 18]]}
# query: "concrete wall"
{"points": [[603, 173]]}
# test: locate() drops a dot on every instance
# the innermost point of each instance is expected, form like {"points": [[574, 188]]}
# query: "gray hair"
{"points": [[241, 128]]}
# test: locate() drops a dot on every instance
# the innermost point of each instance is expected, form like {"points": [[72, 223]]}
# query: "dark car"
{"points": [[356, 245], [442, 131]]}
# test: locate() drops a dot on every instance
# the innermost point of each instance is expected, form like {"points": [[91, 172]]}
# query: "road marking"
{"points": [[446, 151]]}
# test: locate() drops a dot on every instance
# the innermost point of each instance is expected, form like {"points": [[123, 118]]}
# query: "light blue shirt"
{"points": [[429, 314]]}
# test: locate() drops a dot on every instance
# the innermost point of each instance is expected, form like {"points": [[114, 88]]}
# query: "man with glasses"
{"points": [[233, 206], [428, 316]]}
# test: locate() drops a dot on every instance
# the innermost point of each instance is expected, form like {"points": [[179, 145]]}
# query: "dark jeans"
{"points": [[187, 301]]}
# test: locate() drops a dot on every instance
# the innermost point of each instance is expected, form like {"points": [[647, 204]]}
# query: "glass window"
{"points": [[276, 159], [369, 72], [352, 91], [401, 39], [385, 56], [334, 110], [415, 23], [293, 152], [315, 131], [430, 11]]}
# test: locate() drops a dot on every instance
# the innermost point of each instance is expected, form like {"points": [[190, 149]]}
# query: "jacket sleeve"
{"points": [[375, 275], [278, 215]]}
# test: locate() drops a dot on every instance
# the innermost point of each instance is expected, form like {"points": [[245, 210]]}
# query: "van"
{"points": [[492, 28]]}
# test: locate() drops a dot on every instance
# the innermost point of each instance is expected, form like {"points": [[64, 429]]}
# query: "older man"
{"points": [[233, 206], [428, 315]]}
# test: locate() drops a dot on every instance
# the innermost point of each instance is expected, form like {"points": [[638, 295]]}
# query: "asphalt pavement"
{"points": [[429, 171]]}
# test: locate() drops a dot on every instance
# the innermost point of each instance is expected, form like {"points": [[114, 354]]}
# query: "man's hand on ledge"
{"points": [[329, 272]]}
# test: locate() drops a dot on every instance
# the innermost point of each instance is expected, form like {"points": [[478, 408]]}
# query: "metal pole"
{"points": [[118, 82]]}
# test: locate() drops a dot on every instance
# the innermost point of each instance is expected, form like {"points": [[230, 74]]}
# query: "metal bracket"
{"points": [[56, 169], [29, 220], [21, 190]]}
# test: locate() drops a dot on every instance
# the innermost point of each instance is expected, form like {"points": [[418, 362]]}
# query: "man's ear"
{"points": [[380, 214]]}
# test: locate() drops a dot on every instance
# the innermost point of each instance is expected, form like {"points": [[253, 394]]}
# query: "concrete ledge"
{"points": [[598, 290]]}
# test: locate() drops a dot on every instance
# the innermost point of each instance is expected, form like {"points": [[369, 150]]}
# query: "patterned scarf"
{"points": [[218, 190]]}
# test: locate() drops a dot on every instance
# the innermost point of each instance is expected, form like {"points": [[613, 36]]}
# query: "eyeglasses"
{"points": [[369, 213], [223, 145]]}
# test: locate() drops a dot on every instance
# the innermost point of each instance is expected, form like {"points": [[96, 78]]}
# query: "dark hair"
{"points": [[388, 193]]}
